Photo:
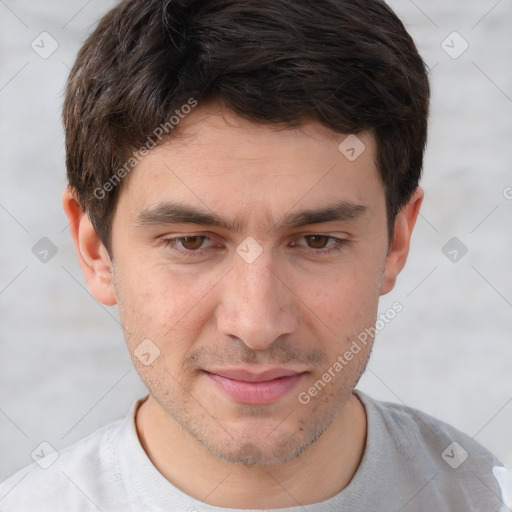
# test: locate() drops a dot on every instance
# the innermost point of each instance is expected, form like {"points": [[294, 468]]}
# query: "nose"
{"points": [[257, 305]]}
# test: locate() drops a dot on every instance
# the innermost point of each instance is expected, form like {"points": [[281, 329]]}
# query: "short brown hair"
{"points": [[349, 64]]}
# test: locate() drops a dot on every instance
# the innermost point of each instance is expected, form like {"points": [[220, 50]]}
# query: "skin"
{"points": [[291, 307]]}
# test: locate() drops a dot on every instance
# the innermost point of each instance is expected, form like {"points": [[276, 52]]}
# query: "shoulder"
{"points": [[445, 444], [443, 463], [58, 479]]}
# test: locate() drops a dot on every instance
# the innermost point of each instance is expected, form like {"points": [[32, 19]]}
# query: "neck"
{"points": [[321, 471]]}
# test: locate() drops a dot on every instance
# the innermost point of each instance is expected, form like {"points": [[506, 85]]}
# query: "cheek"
{"points": [[160, 304], [346, 301]]}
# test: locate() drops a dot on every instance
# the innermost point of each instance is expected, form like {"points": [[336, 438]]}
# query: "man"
{"points": [[243, 184]]}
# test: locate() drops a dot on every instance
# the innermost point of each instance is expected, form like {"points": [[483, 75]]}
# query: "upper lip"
{"points": [[262, 376]]}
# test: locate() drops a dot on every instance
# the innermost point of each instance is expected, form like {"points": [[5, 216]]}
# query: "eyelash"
{"points": [[172, 244]]}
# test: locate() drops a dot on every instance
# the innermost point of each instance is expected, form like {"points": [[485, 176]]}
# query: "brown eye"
{"points": [[191, 243], [317, 241]]}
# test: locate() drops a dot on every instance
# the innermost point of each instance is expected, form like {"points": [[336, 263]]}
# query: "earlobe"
{"points": [[92, 255], [399, 250]]}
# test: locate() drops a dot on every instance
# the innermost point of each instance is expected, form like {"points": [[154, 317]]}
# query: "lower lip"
{"points": [[256, 393]]}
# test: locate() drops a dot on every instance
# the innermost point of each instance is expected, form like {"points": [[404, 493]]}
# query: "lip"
{"points": [[246, 376], [250, 388]]}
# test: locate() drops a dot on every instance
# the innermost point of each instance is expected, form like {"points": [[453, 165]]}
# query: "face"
{"points": [[246, 259]]}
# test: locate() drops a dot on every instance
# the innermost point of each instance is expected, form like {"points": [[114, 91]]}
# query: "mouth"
{"points": [[250, 388]]}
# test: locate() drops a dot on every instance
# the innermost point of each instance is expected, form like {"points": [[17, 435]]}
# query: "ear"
{"points": [[397, 255], [92, 255]]}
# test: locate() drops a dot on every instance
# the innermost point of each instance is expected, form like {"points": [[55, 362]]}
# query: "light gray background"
{"points": [[64, 369]]}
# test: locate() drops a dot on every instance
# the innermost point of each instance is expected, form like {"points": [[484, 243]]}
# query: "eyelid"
{"points": [[337, 244], [177, 238], [326, 235]]}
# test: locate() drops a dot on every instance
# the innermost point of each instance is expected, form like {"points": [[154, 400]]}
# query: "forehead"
{"points": [[222, 162]]}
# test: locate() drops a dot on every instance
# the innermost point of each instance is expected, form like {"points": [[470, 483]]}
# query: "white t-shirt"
{"points": [[411, 463]]}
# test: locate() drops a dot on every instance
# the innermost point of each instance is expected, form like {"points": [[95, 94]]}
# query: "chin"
{"points": [[263, 448], [251, 453]]}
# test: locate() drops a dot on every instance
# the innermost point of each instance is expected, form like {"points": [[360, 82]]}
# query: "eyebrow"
{"points": [[177, 213]]}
